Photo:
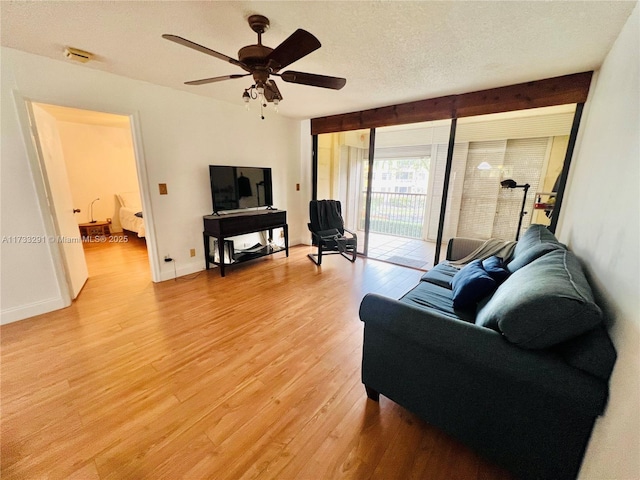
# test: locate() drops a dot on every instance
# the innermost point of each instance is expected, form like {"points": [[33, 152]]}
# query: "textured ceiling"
{"points": [[389, 51]]}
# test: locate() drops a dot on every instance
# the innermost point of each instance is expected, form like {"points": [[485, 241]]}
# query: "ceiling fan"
{"points": [[262, 62]]}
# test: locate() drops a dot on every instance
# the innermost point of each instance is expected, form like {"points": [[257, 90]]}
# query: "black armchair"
{"points": [[328, 233]]}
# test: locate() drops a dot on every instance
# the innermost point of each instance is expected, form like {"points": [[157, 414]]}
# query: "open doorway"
{"points": [[90, 172]]}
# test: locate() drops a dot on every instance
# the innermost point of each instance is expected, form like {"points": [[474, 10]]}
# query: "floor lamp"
{"points": [[509, 183]]}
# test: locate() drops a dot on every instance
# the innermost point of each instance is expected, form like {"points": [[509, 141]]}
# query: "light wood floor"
{"points": [[255, 375]]}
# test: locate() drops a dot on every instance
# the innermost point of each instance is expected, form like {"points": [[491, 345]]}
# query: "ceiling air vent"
{"points": [[77, 55]]}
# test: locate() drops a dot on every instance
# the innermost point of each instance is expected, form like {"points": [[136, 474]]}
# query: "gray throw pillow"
{"points": [[543, 304], [534, 235], [531, 254]]}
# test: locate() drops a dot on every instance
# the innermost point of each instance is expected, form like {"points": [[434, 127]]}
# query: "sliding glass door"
{"points": [[342, 173], [399, 224], [503, 173], [402, 192]]}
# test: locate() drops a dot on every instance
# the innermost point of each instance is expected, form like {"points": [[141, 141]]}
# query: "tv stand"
{"points": [[233, 224]]}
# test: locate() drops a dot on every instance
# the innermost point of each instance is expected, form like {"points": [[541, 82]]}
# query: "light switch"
{"points": [[163, 188]]}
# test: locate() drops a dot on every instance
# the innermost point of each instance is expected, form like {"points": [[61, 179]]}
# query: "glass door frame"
{"points": [[367, 209], [445, 189], [447, 177]]}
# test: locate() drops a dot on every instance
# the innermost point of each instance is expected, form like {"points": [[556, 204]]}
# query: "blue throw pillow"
{"points": [[471, 284], [495, 268]]}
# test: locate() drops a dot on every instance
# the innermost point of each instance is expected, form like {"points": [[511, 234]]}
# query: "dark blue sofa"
{"points": [[520, 378]]}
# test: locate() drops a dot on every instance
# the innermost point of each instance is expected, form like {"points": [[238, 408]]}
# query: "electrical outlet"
{"points": [[297, 187], [163, 188], [281, 233], [192, 252]]}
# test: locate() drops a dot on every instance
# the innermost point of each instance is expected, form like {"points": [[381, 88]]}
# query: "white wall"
{"points": [[304, 176], [600, 222], [180, 133], [29, 283], [100, 163]]}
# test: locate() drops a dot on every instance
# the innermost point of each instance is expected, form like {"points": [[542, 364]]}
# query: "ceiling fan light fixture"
{"points": [[262, 61]]}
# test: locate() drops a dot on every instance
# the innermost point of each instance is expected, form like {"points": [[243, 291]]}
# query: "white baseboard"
{"points": [[22, 312], [181, 270]]}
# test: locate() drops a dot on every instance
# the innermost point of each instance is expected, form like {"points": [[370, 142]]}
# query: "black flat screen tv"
{"points": [[234, 188]]}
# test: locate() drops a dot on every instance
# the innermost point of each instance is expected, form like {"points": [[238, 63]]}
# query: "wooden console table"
{"points": [[231, 224]]}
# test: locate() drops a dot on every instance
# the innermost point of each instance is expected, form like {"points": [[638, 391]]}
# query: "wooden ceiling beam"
{"points": [[541, 93]]}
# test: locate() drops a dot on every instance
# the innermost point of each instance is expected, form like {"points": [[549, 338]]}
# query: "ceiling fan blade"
{"points": [[215, 79], [200, 48], [335, 83], [271, 91], [299, 44]]}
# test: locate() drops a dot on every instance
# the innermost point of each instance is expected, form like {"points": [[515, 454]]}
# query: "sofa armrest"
{"points": [[460, 247], [484, 351]]}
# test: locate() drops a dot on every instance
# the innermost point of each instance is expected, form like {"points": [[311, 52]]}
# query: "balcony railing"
{"points": [[400, 214]]}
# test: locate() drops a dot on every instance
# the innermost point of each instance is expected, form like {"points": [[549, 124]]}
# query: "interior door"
{"points": [[47, 141]]}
